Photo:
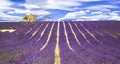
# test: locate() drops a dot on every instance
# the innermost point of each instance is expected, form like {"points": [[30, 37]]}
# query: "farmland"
{"points": [[60, 43]]}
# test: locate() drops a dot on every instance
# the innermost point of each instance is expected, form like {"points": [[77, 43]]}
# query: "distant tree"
{"points": [[26, 17]]}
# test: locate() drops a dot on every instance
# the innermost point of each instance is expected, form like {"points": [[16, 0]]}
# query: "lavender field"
{"points": [[60, 43]]}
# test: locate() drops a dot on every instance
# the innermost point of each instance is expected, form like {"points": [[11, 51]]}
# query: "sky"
{"points": [[60, 10]]}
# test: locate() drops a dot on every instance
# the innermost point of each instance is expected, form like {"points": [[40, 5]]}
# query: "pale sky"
{"points": [[56, 10]]}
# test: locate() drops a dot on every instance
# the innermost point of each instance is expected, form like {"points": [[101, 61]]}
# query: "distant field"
{"points": [[60, 43]]}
